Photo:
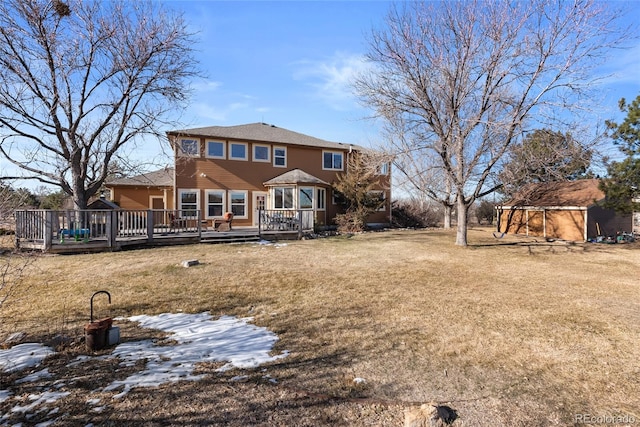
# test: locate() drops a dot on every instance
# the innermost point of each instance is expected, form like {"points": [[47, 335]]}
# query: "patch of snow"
{"points": [[199, 339], [23, 356], [44, 373], [39, 399]]}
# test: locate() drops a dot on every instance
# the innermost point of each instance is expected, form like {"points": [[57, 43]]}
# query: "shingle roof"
{"points": [[262, 132], [159, 178], [295, 176], [580, 193]]}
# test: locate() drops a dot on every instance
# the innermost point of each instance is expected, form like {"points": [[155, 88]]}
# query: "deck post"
{"points": [[149, 225], [112, 228], [48, 229]]}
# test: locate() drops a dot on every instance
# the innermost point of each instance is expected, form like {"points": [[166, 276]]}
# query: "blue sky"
{"points": [[283, 63], [289, 63]]}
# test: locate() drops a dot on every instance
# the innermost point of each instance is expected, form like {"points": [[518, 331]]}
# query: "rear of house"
{"points": [[561, 210], [248, 168]]}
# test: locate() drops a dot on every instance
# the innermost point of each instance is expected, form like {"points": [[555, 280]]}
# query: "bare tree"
{"points": [[466, 77], [80, 81], [419, 172]]}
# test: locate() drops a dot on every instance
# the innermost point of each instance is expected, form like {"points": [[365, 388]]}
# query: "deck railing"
{"points": [[49, 226], [44, 228], [285, 220]]}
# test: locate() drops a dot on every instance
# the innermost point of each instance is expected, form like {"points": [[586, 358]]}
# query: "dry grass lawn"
{"points": [[508, 332]]}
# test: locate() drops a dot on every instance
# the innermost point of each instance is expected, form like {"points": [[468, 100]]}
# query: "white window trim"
{"points": [[333, 152], [324, 199], [224, 149], [384, 169], [181, 191], [246, 203], [285, 157], [206, 202], [293, 198], [246, 151], [313, 197], [185, 154], [253, 153]]}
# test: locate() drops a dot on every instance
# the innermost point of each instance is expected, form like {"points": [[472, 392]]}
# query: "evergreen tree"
{"points": [[623, 180]]}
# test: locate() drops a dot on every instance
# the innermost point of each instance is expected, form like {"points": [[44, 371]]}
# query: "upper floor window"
{"points": [[215, 149], [190, 147], [261, 153], [332, 160], [279, 156], [383, 168], [238, 151]]}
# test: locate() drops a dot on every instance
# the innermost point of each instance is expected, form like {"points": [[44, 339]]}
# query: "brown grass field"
{"points": [[508, 332]]}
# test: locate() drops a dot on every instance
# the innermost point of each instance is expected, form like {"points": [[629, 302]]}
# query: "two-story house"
{"points": [[243, 169]]}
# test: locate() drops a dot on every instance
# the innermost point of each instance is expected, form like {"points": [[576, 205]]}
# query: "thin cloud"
{"points": [[331, 79]]}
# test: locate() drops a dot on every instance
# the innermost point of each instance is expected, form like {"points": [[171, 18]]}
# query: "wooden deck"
{"points": [[54, 232]]}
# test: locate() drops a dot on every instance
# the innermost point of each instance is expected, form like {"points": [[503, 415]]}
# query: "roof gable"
{"points": [[582, 193], [261, 132], [295, 176]]}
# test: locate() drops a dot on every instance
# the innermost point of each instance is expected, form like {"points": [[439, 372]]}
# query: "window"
{"points": [[188, 203], [215, 203], [332, 160], [215, 149], [283, 198], [238, 151], [238, 202], [305, 198], [190, 147], [261, 153], [383, 169], [280, 156], [321, 199]]}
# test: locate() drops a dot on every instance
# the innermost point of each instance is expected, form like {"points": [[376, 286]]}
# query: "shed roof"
{"points": [[159, 178], [295, 176], [580, 193], [102, 203], [261, 132]]}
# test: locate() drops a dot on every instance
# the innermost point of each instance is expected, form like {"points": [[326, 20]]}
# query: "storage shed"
{"points": [[561, 210]]}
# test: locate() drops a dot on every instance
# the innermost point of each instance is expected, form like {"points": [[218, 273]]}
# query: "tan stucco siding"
{"points": [[140, 197], [205, 173]]}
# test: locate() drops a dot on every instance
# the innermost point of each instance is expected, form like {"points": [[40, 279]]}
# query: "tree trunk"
{"points": [[447, 216], [461, 234]]}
